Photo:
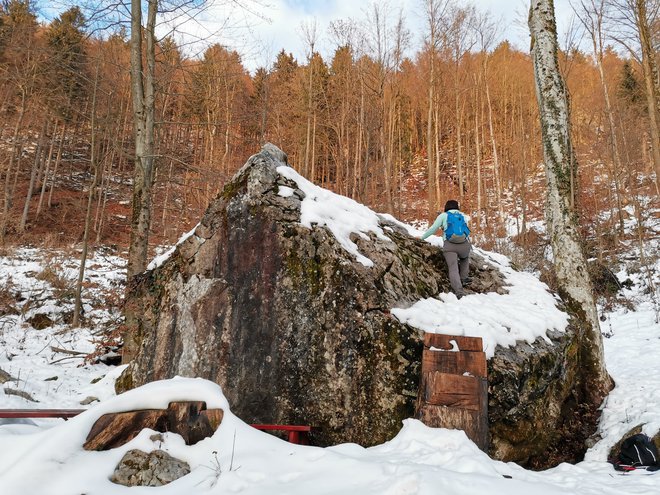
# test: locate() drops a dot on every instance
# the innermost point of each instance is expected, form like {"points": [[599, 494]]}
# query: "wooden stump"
{"points": [[453, 392], [191, 420]]}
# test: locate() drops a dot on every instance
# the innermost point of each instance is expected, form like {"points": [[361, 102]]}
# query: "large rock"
{"points": [[296, 331], [156, 468]]}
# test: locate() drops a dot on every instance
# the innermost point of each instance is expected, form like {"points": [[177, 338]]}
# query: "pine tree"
{"points": [[67, 61]]}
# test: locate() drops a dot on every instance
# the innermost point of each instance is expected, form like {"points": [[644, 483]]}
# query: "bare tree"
{"points": [[569, 259], [94, 162], [591, 14], [309, 35], [638, 17], [434, 12]]}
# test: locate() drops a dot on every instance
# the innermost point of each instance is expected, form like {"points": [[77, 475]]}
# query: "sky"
{"points": [[277, 24], [46, 456]]}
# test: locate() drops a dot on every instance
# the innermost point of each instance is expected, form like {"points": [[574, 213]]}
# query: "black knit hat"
{"points": [[452, 204]]}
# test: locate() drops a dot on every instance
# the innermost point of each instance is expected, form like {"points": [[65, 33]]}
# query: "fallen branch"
{"points": [[67, 351], [19, 393], [66, 357]]}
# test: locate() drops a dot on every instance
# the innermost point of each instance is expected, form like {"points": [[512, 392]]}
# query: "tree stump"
{"points": [[191, 420], [453, 392]]}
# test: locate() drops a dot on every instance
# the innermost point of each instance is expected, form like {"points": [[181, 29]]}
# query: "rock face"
{"points": [[157, 468], [297, 332], [536, 412]]}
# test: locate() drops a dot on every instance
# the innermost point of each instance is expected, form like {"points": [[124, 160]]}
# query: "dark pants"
{"points": [[458, 263]]}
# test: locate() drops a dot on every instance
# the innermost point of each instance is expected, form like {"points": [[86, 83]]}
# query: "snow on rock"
{"points": [[341, 215], [526, 313], [163, 257]]}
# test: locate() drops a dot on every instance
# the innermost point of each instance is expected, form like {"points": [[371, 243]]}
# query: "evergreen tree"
{"points": [[629, 89], [65, 37]]}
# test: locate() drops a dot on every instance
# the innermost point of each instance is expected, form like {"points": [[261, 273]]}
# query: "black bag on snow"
{"points": [[638, 451]]}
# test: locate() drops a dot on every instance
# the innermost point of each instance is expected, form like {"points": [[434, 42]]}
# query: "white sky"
{"points": [[278, 24]]}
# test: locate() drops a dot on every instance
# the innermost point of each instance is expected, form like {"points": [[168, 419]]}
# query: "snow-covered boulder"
{"points": [[307, 307]]}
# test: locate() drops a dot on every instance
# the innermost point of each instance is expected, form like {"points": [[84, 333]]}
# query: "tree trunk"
{"points": [[142, 91], [88, 214], [33, 175], [14, 153], [44, 180], [651, 83], [496, 160], [432, 198], [58, 160], [569, 259], [477, 152], [592, 20]]}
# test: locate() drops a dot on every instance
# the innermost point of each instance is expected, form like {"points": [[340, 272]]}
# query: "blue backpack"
{"points": [[457, 230]]}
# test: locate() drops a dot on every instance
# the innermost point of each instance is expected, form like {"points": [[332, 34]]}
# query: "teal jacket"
{"points": [[440, 223]]}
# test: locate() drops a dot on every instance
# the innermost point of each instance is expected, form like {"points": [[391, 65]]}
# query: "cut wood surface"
{"points": [[456, 363], [444, 389], [473, 423], [441, 341], [453, 390]]}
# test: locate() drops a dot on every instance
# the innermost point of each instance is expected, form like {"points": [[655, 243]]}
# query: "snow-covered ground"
{"points": [[46, 456]]}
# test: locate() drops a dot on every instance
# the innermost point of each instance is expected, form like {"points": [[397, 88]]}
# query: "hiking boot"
{"points": [[466, 280], [459, 295]]}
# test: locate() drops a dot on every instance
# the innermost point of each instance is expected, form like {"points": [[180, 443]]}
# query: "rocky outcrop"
{"points": [[537, 417], [295, 330], [156, 468]]}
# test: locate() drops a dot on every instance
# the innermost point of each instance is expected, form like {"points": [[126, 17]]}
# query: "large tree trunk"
{"points": [[569, 259], [142, 91], [651, 83]]}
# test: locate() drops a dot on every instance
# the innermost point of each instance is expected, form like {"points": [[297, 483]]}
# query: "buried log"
{"points": [[191, 420]]}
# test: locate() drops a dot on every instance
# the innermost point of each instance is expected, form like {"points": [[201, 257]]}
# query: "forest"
{"points": [[395, 121], [162, 267]]}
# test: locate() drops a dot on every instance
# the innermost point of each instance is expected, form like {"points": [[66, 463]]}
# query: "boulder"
{"points": [[536, 413], [297, 329], [156, 468]]}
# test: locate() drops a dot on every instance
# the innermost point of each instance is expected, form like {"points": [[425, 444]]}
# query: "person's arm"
{"points": [[436, 225]]}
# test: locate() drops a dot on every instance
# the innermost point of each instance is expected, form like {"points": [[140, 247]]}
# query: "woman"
{"points": [[456, 248]]}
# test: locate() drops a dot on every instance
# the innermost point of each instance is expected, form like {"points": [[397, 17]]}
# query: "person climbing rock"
{"points": [[456, 248]]}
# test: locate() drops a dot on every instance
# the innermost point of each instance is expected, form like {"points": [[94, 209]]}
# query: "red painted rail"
{"points": [[40, 413], [295, 433]]}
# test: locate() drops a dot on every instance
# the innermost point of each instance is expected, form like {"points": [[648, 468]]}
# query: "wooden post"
{"points": [[453, 392]]}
